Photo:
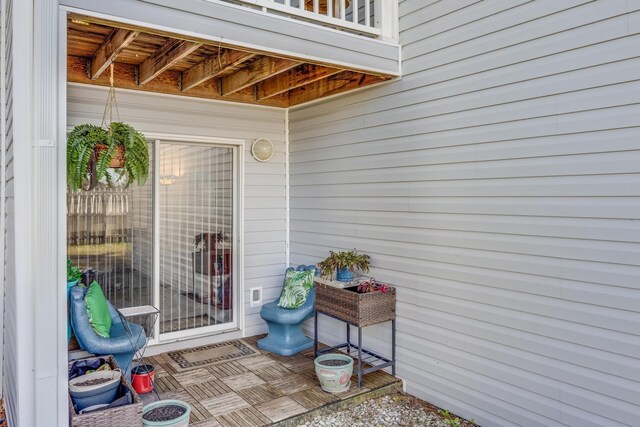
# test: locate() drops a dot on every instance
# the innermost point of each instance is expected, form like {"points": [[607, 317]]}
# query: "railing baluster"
{"points": [[354, 11], [378, 20], [367, 13]]}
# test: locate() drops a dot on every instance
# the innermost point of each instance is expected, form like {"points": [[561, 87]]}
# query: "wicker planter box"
{"points": [[127, 415], [358, 309]]}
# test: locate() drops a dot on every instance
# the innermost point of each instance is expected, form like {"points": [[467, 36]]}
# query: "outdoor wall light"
{"points": [[262, 149]]}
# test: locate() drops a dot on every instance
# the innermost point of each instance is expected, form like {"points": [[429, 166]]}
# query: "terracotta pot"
{"points": [[322, 6], [118, 157]]}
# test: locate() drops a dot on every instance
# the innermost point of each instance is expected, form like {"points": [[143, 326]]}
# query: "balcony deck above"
{"points": [[217, 50]]}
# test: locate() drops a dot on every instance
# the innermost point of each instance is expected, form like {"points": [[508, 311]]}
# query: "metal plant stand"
{"points": [[147, 312], [375, 361]]}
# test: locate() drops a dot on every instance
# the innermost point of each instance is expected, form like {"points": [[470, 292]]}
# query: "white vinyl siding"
{"points": [[264, 183], [9, 329], [498, 186]]}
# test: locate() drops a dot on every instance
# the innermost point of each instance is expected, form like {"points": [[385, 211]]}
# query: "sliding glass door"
{"points": [[170, 243], [196, 218]]}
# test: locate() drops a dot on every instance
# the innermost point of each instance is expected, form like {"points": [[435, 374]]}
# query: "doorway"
{"points": [[171, 243]]}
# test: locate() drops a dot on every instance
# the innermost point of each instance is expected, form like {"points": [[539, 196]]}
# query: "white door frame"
{"points": [[238, 233]]}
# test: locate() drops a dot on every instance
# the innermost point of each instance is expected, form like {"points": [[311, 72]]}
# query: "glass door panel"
{"points": [[110, 229], [196, 233]]}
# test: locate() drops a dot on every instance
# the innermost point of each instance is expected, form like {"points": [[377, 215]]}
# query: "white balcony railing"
{"points": [[374, 18]]}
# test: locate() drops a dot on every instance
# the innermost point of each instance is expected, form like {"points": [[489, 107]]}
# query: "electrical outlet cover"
{"points": [[255, 297]]}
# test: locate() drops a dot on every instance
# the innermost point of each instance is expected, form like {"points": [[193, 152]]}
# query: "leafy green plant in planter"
{"points": [[344, 263], [87, 161], [73, 273]]}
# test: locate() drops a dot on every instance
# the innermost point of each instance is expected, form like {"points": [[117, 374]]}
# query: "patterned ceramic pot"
{"points": [[334, 372], [181, 421]]}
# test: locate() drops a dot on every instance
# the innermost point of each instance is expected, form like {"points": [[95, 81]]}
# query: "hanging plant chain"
{"points": [[111, 102]]}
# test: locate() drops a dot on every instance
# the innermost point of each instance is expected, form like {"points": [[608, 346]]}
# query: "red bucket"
{"points": [[142, 378]]}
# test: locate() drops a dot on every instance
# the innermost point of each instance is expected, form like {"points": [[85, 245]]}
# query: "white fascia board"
{"points": [[244, 27]]}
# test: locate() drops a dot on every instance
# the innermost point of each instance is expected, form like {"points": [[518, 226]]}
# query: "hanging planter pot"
{"points": [[92, 150], [118, 159]]}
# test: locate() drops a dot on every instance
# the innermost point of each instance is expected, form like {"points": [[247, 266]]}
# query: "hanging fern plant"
{"points": [[92, 150], [87, 164]]}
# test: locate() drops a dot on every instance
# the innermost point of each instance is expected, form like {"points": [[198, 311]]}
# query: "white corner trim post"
{"points": [[48, 230], [20, 387]]}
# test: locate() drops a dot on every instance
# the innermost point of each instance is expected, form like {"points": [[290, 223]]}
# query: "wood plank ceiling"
{"points": [[155, 61]]}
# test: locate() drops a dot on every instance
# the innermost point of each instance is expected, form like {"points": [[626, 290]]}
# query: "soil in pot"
{"points": [[334, 362], [164, 413], [94, 381]]}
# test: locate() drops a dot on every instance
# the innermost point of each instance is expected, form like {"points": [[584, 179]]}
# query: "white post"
{"points": [[386, 18], [48, 200]]}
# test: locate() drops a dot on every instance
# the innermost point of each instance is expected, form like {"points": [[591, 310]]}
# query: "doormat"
{"points": [[212, 354]]}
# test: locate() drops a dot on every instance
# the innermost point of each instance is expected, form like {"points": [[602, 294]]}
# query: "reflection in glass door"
{"points": [[169, 243], [196, 187], [110, 229]]}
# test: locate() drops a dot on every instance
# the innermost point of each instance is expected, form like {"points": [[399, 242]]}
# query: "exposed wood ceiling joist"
{"points": [[292, 79], [339, 83], [172, 51], [213, 67], [109, 50], [258, 71], [167, 83], [161, 62]]}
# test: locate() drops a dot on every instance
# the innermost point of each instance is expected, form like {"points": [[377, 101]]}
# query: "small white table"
{"points": [[141, 312]]}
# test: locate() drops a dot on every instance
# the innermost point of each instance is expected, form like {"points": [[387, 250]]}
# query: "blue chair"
{"points": [[124, 338], [285, 326]]}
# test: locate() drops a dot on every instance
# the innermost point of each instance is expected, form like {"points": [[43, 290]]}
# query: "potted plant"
{"points": [[166, 413], [73, 277], [371, 285], [344, 263], [73, 274], [366, 303], [334, 372], [92, 150], [94, 388]]}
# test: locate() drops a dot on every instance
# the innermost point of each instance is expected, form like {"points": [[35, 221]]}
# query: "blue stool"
{"points": [[124, 338], [285, 326]]}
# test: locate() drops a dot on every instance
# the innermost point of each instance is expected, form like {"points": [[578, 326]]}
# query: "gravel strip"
{"points": [[396, 410]]}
